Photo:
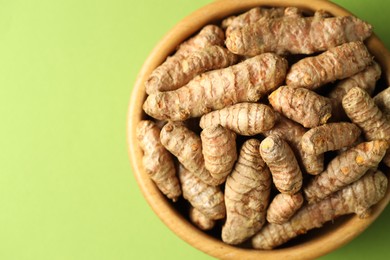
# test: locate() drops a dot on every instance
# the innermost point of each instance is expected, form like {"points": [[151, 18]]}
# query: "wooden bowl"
{"points": [[314, 244]]}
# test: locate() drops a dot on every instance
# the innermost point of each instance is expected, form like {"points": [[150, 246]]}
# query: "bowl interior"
{"points": [[315, 243]]}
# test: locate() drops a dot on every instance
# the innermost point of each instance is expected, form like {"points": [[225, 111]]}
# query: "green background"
{"points": [[66, 186]]}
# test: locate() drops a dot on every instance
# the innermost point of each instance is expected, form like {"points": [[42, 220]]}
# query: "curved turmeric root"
{"points": [[178, 71], [252, 16], [243, 118], [208, 36], [345, 169], [247, 192], [296, 35], [283, 207], [366, 80], [187, 147], [163, 175], [363, 111], [329, 137], [355, 198], [280, 158], [292, 133], [185, 64], [301, 105], [206, 198], [244, 82], [219, 151], [336, 63]]}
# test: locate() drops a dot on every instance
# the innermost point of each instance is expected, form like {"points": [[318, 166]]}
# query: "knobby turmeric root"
{"points": [[345, 169], [244, 82], [366, 80], [296, 35], [280, 158], [287, 129], [186, 62], [162, 174], [247, 192], [187, 147], [357, 198], [313, 164], [292, 133], [219, 151], [253, 15], [178, 71], [209, 35], [362, 110], [301, 105], [208, 199], [336, 63], [283, 207], [243, 118], [329, 137]]}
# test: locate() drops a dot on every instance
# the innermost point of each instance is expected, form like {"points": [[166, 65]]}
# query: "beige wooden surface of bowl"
{"points": [[314, 244]]}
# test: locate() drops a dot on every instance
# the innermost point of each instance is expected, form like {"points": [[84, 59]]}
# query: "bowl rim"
{"points": [[320, 245]]}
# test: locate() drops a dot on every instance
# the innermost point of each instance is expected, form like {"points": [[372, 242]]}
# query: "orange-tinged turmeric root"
{"points": [[247, 192], [287, 129], [366, 80], [187, 147], [206, 198], [301, 105], [209, 35], [362, 110], [280, 158], [292, 133], [246, 81], [313, 164], [336, 63], [178, 71], [243, 118], [219, 150], [355, 198], [329, 137], [283, 207], [296, 35], [345, 169], [253, 15], [163, 175]]}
